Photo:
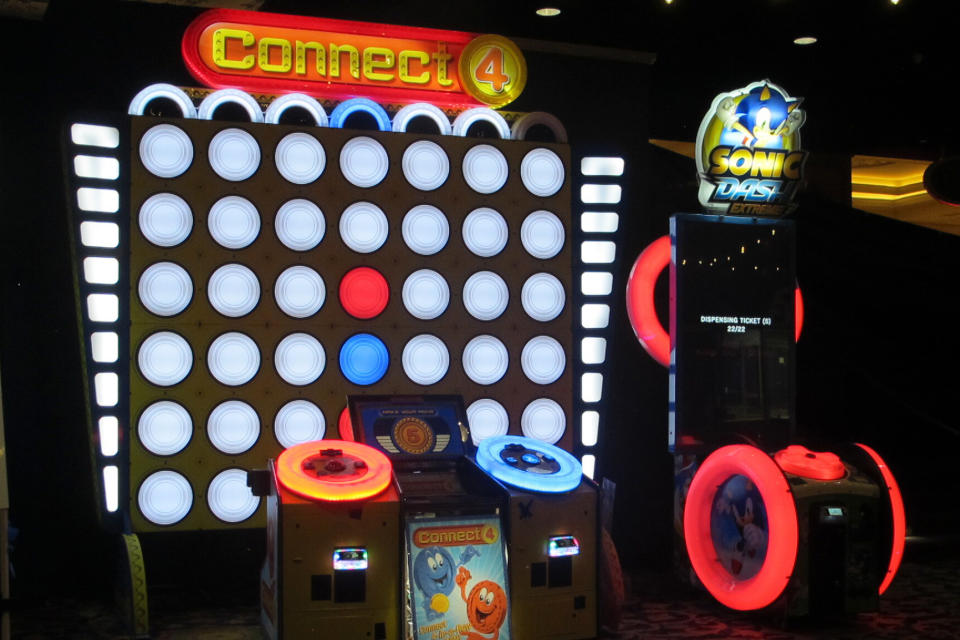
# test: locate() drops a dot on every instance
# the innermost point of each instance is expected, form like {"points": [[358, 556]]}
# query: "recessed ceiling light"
{"points": [[804, 40], [548, 11]]}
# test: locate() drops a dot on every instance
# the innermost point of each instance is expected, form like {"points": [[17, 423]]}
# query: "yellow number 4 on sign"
{"points": [[493, 70]]}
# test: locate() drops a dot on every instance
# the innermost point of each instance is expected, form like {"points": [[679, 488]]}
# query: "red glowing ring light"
{"points": [[640, 307], [290, 472], [767, 585], [899, 516]]}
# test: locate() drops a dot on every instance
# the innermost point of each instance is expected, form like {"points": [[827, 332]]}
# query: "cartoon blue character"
{"points": [[760, 119], [434, 571], [739, 527]]}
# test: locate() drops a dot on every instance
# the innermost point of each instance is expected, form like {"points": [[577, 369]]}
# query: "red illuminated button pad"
{"points": [[816, 465]]}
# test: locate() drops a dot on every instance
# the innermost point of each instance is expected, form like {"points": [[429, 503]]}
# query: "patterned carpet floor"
{"points": [[923, 602]]}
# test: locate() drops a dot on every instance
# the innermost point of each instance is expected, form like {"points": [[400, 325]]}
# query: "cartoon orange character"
{"points": [[486, 606]]}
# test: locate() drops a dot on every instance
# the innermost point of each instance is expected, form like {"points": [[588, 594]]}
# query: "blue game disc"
{"points": [[364, 359], [567, 478]]}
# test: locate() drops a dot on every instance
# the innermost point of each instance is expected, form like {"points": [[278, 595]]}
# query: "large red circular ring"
{"points": [[290, 472], [899, 517], [767, 585], [641, 310]]}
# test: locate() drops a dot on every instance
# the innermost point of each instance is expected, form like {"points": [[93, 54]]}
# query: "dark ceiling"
{"points": [[880, 70]]}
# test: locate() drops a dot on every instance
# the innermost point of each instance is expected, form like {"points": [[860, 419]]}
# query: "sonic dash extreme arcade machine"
{"points": [[796, 530]]}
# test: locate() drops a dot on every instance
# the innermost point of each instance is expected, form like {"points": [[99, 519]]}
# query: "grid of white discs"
{"points": [[233, 290]]}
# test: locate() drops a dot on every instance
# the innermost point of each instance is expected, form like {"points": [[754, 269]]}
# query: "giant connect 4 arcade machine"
{"points": [[350, 321]]}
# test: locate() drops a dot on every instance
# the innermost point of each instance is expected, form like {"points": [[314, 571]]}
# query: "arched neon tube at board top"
{"points": [[769, 582], [640, 306], [291, 475], [899, 517]]}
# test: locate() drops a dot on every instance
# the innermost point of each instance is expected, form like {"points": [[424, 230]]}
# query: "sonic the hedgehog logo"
{"points": [[748, 151]]}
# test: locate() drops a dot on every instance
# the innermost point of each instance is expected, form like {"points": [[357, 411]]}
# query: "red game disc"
{"points": [[345, 426], [364, 293], [333, 470], [816, 465]]}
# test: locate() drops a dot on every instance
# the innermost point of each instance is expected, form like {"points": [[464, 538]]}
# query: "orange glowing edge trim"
{"points": [[899, 516], [767, 585], [640, 306], [291, 476]]}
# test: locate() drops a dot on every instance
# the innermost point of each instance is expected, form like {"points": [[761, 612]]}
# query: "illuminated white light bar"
{"points": [[600, 166], [593, 350], [100, 234], [98, 200], [101, 270], [597, 251], [589, 463], [595, 316], [93, 135], [103, 307], [591, 387], [106, 389], [589, 428], [596, 283], [109, 428], [96, 167], [600, 193], [105, 346], [111, 487], [599, 221]]}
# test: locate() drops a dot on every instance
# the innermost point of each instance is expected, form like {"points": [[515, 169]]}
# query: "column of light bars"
{"points": [[599, 221], [498, 197], [97, 194]]}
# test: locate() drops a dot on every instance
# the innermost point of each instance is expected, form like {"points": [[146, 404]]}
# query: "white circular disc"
{"points": [[166, 151], [234, 154], [165, 288], [542, 172], [485, 169], [485, 232], [233, 427], [300, 158], [425, 165], [165, 358], [364, 227], [426, 359], [233, 290], [165, 219], [485, 295], [229, 497], [485, 359], [299, 359], [542, 234], [300, 224], [165, 497], [425, 294], [233, 358], [425, 229], [543, 296], [297, 422], [543, 359], [487, 418], [364, 162], [299, 291], [165, 428], [234, 222], [544, 420]]}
